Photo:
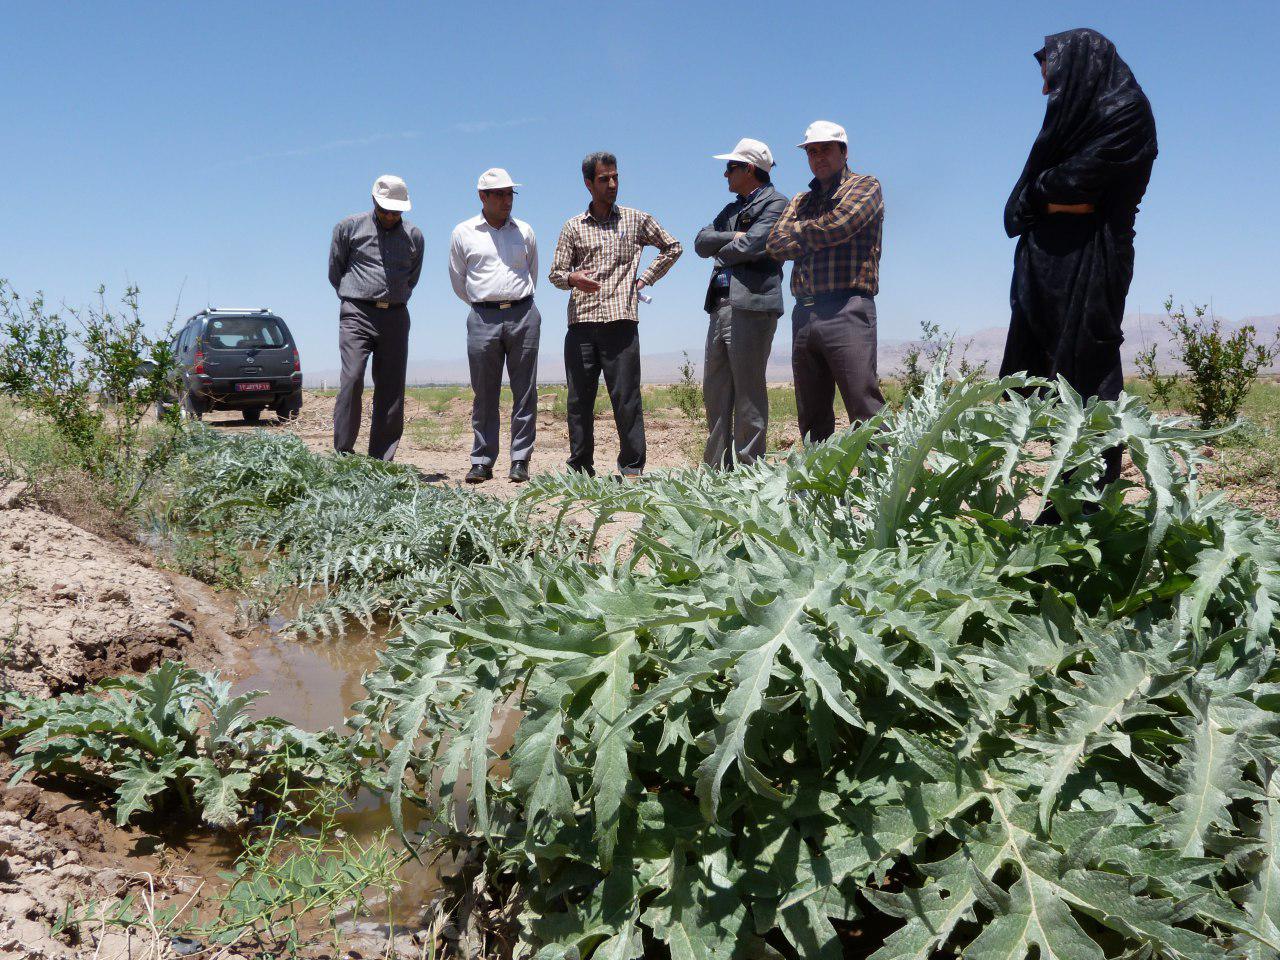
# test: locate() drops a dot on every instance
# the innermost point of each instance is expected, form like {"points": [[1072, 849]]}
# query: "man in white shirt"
{"points": [[493, 266]]}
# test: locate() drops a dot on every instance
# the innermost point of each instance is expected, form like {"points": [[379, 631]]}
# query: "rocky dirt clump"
{"points": [[75, 609]]}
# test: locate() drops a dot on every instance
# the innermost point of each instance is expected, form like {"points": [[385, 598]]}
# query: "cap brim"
{"points": [[831, 140], [396, 206], [766, 167], [501, 186]]}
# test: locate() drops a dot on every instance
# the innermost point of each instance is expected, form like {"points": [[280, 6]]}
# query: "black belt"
{"points": [[375, 304], [831, 295], [501, 304]]}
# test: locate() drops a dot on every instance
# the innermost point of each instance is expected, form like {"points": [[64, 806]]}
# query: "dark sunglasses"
{"points": [[734, 165]]}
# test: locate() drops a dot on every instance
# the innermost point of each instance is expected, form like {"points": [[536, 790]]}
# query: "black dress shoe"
{"points": [[479, 473], [519, 471]]}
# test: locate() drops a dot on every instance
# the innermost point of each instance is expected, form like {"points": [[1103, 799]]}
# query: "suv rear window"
{"points": [[244, 333]]}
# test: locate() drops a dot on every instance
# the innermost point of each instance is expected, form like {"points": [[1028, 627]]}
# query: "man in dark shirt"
{"points": [[374, 263], [833, 232]]}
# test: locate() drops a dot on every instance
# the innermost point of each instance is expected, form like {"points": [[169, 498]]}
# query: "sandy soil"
{"points": [[76, 609]]}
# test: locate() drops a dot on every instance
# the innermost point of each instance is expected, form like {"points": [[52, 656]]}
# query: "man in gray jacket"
{"points": [[375, 260], [744, 300]]}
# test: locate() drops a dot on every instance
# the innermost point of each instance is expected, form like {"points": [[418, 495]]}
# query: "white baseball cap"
{"points": [[754, 152], [495, 178], [824, 131], [390, 193]]}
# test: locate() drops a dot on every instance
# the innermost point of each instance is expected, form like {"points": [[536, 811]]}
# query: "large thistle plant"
{"points": [[863, 694]]}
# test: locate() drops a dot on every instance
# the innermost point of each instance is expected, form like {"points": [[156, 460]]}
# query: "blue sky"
{"points": [[207, 149]]}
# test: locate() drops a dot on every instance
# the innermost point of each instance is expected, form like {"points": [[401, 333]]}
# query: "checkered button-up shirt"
{"points": [[611, 247], [834, 236]]}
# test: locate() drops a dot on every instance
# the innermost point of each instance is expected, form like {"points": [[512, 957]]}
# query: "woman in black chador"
{"points": [[1073, 210]]}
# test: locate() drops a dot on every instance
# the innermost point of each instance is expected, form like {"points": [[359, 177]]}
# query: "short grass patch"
{"points": [[1245, 462]]}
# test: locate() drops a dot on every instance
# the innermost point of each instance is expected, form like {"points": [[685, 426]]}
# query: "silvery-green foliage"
{"points": [[371, 539], [866, 688], [176, 739]]}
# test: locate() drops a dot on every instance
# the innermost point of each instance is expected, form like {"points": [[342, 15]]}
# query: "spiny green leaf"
{"points": [[219, 794], [537, 766], [139, 782]]}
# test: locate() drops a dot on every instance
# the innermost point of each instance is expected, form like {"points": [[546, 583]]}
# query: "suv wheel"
{"points": [[251, 414], [290, 407], [192, 409]]}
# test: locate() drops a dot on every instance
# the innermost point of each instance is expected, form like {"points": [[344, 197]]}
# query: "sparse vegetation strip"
{"points": [[373, 540]]}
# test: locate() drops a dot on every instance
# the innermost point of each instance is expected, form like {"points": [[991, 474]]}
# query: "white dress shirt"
{"points": [[493, 265]]}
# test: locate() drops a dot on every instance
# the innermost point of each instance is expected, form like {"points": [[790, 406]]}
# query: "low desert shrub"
{"points": [[1217, 369], [923, 354], [93, 374]]}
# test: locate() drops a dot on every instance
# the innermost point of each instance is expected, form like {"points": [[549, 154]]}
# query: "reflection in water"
{"points": [[311, 684]]}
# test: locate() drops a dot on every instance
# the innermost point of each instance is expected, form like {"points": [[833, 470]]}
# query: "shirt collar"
{"points": [[845, 173], [613, 214], [483, 224], [748, 197]]}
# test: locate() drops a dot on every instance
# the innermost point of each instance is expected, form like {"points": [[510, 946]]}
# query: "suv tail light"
{"points": [[199, 368], [297, 363]]}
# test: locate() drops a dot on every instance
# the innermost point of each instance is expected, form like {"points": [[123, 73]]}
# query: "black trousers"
{"points": [[363, 329], [613, 348]]}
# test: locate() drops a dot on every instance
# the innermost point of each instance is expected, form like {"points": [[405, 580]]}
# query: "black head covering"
{"points": [[1097, 116]]}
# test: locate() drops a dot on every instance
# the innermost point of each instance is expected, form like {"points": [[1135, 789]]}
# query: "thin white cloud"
{"points": [[484, 126], [318, 148]]}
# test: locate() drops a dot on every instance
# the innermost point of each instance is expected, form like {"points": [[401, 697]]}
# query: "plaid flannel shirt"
{"points": [[833, 236], [612, 249]]}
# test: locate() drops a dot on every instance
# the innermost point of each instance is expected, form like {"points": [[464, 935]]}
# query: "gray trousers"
{"points": [[733, 384], [495, 335], [363, 329], [833, 346]]}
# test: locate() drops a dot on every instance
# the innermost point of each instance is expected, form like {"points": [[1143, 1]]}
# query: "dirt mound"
{"points": [[74, 608]]}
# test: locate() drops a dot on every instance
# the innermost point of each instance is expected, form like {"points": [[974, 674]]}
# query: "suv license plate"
{"points": [[253, 386]]}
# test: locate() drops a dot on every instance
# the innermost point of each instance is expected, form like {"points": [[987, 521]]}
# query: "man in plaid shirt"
{"points": [[833, 233], [596, 258]]}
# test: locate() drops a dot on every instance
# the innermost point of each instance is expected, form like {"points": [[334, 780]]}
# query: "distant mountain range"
{"points": [[983, 346]]}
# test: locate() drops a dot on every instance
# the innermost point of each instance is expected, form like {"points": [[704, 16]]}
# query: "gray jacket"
{"points": [[755, 279]]}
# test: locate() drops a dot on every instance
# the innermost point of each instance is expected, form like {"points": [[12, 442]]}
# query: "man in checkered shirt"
{"points": [[833, 232], [597, 258]]}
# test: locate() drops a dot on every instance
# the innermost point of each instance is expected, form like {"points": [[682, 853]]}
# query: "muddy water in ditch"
{"points": [[312, 684]]}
